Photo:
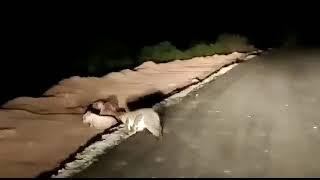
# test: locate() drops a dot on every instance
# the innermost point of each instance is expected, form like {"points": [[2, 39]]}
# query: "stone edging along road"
{"points": [[89, 154]]}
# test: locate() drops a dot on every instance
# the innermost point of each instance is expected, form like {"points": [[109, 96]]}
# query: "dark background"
{"points": [[39, 50]]}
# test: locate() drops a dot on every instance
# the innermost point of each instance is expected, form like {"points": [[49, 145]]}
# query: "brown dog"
{"points": [[107, 107]]}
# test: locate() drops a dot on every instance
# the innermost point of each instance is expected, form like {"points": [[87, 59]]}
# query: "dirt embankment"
{"points": [[36, 134]]}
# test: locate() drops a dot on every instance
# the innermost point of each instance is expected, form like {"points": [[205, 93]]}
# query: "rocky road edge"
{"points": [[90, 154]]}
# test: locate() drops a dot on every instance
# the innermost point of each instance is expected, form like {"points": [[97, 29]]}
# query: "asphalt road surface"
{"points": [[261, 119]]}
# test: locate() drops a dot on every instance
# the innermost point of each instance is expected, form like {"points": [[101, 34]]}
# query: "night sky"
{"points": [[40, 52]]}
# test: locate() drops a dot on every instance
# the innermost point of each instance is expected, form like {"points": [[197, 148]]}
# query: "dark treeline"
{"points": [[37, 55]]}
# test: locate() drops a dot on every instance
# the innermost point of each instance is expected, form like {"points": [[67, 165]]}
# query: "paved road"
{"points": [[261, 119]]}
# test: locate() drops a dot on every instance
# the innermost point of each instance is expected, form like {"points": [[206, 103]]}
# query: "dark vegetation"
{"points": [[225, 43], [39, 54]]}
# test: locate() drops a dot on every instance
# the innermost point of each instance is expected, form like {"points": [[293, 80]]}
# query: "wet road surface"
{"points": [[261, 119]]}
